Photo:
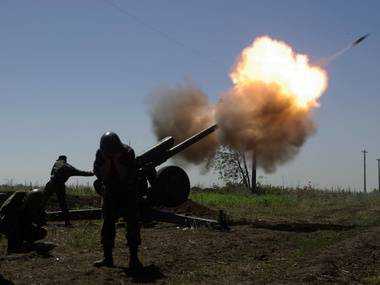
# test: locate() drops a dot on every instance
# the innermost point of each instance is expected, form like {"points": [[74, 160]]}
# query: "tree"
{"points": [[235, 167]]}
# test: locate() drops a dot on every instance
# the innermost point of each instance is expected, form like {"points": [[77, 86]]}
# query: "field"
{"points": [[282, 236]]}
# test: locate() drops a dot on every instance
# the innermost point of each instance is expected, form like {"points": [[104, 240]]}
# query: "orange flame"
{"points": [[271, 61]]}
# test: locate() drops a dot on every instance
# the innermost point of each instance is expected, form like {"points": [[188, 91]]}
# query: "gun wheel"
{"points": [[172, 186]]}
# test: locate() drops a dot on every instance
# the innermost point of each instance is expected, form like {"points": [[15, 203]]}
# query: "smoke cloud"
{"points": [[260, 118], [267, 111], [181, 112]]}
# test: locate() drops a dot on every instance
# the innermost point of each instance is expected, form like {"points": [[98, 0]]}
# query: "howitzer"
{"points": [[170, 185]]}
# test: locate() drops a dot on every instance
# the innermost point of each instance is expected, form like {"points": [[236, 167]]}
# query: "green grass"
{"points": [[273, 203], [373, 280], [83, 237], [353, 208], [79, 190], [235, 200]]}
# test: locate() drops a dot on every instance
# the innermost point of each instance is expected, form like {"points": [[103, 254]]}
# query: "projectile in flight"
{"points": [[359, 40]]}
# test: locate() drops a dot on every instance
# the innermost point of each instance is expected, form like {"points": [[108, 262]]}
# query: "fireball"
{"points": [[271, 61]]}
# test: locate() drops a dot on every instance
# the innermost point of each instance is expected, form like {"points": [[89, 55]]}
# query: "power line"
{"points": [[152, 28]]}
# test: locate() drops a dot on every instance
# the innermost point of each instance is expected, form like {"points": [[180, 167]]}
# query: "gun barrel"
{"points": [[164, 150], [154, 154], [190, 141]]}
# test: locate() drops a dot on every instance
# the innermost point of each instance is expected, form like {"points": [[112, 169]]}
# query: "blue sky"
{"points": [[70, 70]]}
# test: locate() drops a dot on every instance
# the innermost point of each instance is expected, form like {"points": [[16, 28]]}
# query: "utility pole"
{"points": [[254, 173], [378, 172], [364, 170]]}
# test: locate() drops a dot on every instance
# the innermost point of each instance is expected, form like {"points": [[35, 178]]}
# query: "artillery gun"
{"points": [[169, 186]]}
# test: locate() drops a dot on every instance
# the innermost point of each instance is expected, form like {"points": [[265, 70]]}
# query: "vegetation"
{"points": [[234, 166], [305, 204], [248, 254], [300, 204], [81, 190]]}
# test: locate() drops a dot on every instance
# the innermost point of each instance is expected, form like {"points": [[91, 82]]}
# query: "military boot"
{"points": [[107, 260], [134, 262]]}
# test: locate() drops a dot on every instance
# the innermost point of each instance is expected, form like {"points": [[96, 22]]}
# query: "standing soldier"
{"points": [[60, 173], [116, 171]]}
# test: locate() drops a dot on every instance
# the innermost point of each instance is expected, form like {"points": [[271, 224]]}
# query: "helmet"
{"points": [[110, 143], [62, 157]]}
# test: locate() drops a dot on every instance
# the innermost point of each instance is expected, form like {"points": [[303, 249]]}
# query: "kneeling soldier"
{"points": [[21, 219]]}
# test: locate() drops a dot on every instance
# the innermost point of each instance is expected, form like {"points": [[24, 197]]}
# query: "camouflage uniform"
{"points": [[60, 173], [117, 183]]}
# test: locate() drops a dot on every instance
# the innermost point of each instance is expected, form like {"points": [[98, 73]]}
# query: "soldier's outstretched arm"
{"points": [[84, 173], [72, 171]]}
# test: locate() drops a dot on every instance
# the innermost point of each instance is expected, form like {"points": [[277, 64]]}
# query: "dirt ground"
{"points": [[173, 255]]}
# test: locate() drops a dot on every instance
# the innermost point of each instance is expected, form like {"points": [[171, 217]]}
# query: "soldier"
{"points": [[23, 213], [60, 173], [22, 217], [116, 171]]}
